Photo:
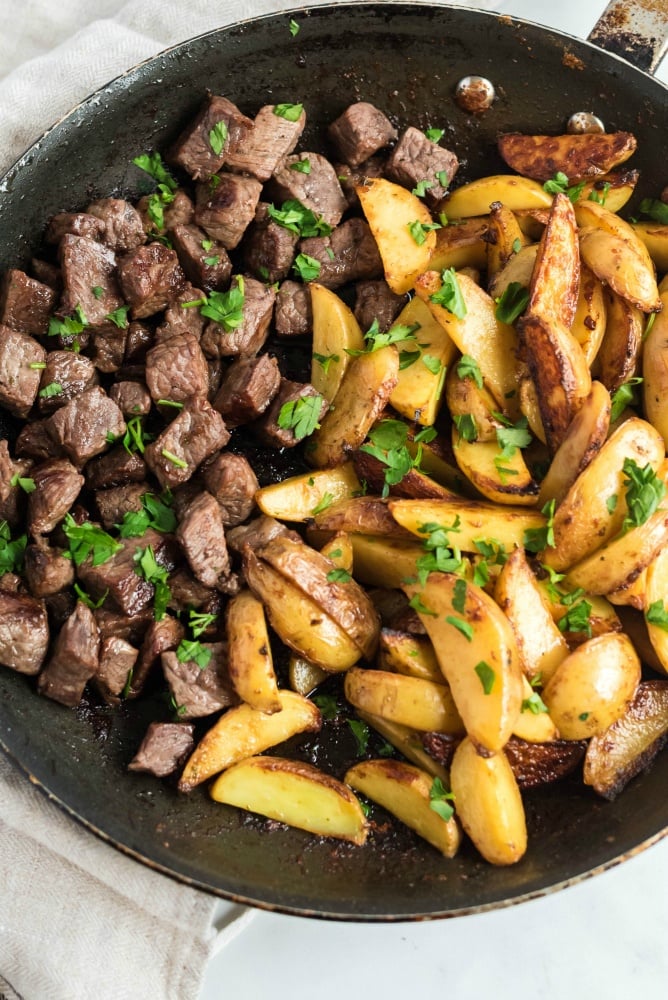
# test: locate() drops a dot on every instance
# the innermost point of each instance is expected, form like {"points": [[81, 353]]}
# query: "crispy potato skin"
{"points": [[335, 332], [390, 209], [555, 282], [578, 156]]}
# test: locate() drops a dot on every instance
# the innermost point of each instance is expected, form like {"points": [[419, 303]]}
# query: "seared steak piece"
{"points": [[183, 315], [122, 224], [197, 432], [271, 139], [73, 224], [18, 381], [219, 123], [350, 253], [117, 660], [108, 347], [204, 261], [198, 692], [12, 498], [231, 480], [139, 339], [293, 316], [268, 247], [165, 747], [187, 592], [132, 398], [375, 300], [131, 628], [24, 632], [48, 274], [25, 303], [73, 660], [150, 277], [116, 468], [118, 500], [158, 638], [248, 387], [267, 427], [226, 210], [201, 534], [74, 373], [351, 177], [88, 265], [47, 570], [176, 369], [257, 533], [127, 591], [59, 607], [57, 485], [34, 441], [82, 427], [216, 368], [249, 336], [178, 212], [360, 132], [316, 187], [417, 159]]}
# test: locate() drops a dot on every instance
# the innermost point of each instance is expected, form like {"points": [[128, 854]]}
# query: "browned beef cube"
{"points": [[165, 747], [127, 591], [198, 692], [66, 375], [150, 278], [375, 301], [316, 187], [183, 315], [219, 123], [24, 632], [73, 660], [34, 441], [57, 485], [178, 212], [47, 273], [268, 247], [132, 398], [360, 132], [201, 534], [226, 209], [350, 178], [118, 500], [197, 432], [349, 254], [13, 499], [216, 368], [176, 369], [247, 389], [271, 139], [267, 427], [131, 628], [47, 570], [83, 426], [417, 159], [123, 229], [204, 261], [25, 304], [114, 672], [231, 480], [73, 224], [139, 339], [18, 381], [247, 338], [11, 583], [59, 607], [116, 468], [293, 316], [89, 279], [257, 533], [187, 592], [158, 638], [108, 346], [6, 470]]}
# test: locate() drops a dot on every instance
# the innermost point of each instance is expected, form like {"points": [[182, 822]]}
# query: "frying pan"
{"points": [[405, 59]]}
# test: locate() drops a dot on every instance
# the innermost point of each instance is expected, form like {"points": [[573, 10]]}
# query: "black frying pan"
{"points": [[407, 60]]}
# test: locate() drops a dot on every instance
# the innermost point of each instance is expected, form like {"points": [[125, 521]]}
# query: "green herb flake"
{"points": [[323, 504], [440, 800], [388, 443], [450, 295], [534, 704], [577, 618], [624, 396], [180, 463], [360, 731], [655, 209], [432, 363], [462, 626], [88, 540], [212, 261], [459, 596], [86, 599], [293, 27], [152, 164], [644, 493], [23, 482], [301, 166], [156, 513], [600, 195], [468, 367], [150, 570], [442, 178], [481, 573], [376, 339], [421, 188], [12, 551], [98, 291], [656, 614], [199, 622], [119, 317], [301, 416], [69, 327], [434, 134], [298, 219], [218, 137], [192, 651], [50, 390], [172, 403], [512, 303], [417, 604], [466, 426], [291, 112], [419, 230], [339, 576], [135, 438], [328, 705], [517, 245], [306, 267], [491, 549], [486, 676], [583, 716], [226, 308], [536, 539], [206, 245], [611, 503]]}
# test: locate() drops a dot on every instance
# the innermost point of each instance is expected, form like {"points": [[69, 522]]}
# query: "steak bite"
{"points": [[122, 227], [197, 432], [118, 579], [19, 381], [249, 335], [360, 132], [116, 468], [182, 315], [66, 375], [188, 593], [132, 398], [73, 224], [268, 430], [201, 535], [311, 180], [46, 569], [73, 660], [89, 280], [271, 139], [350, 253], [231, 480], [204, 261], [165, 747], [131, 628], [34, 441], [247, 389], [108, 346], [350, 178], [117, 501], [25, 303], [257, 533], [375, 301], [150, 277], [227, 209], [84, 425], [199, 691], [159, 637], [57, 485], [139, 339], [12, 497], [176, 369], [416, 159], [47, 273], [115, 668], [268, 247], [293, 316], [203, 146], [24, 632]]}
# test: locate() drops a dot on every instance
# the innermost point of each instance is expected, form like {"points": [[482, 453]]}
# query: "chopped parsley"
{"points": [[225, 308], [150, 570], [98, 291], [388, 442], [375, 339], [536, 539], [468, 367], [180, 463], [293, 27], [328, 705], [173, 403], [156, 513], [534, 704], [212, 261], [192, 651], [298, 219], [152, 164], [559, 184], [517, 245], [199, 622], [419, 230], [88, 539], [577, 618], [291, 112], [23, 482], [218, 137], [462, 626], [360, 731], [655, 209], [69, 328], [441, 556], [339, 576], [459, 596], [624, 396], [656, 614], [417, 604], [449, 295], [644, 493], [323, 504], [119, 317], [86, 599], [135, 438], [491, 549], [466, 426], [301, 416], [512, 303], [440, 800], [434, 134], [325, 360], [422, 187], [11, 550], [611, 503], [50, 390], [301, 166], [600, 196], [486, 676], [308, 268]]}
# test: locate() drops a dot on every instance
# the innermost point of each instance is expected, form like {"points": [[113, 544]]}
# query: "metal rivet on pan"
{"points": [[584, 121], [474, 93]]}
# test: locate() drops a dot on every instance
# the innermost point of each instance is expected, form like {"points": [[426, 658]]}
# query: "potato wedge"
{"points": [[243, 731], [602, 617], [654, 236], [619, 354], [390, 211], [410, 701], [591, 214], [477, 652], [489, 805], [466, 399], [505, 481], [529, 405], [476, 521], [460, 244], [555, 282], [250, 662], [655, 372], [363, 394], [504, 238], [534, 724], [577, 156], [303, 675], [418, 392], [588, 326], [532, 221], [335, 332], [385, 562], [518, 269], [592, 687], [339, 550], [366, 514], [412, 655], [632, 595], [413, 484], [408, 742], [477, 197], [294, 793], [656, 598], [404, 790], [296, 498], [617, 264], [612, 190]]}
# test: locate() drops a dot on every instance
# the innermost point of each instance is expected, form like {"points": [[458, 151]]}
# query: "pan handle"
{"points": [[637, 30]]}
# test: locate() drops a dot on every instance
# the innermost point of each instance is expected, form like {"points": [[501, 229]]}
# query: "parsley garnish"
{"points": [[656, 614], [134, 439], [466, 426], [50, 390], [576, 618], [199, 622], [440, 799], [173, 403], [418, 605], [536, 539], [206, 245], [192, 651], [517, 245], [69, 327], [468, 367], [180, 463], [611, 503], [293, 27], [481, 573], [486, 676], [150, 570], [308, 268], [432, 364], [325, 360], [301, 166], [644, 493], [492, 549], [24, 482], [98, 291], [450, 295], [600, 196], [360, 731], [328, 705], [462, 626], [655, 209], [434, 134], [441, 556], [388, 443], [152, 164], [583, 716], [88, 540], [155, 513], [512, 303], [375, 339], [422, 187], [88, 600], [301, 416], [218, 137], [212, 261], [11, 551], [459, 596], [534, 704], [227, 307], [40, 365], [323, 504], [291, 112], [119, 317], [419, 230], [339, 576], [298, 219], [559, 185], [442, 178], [511, 436], [624, 396]]}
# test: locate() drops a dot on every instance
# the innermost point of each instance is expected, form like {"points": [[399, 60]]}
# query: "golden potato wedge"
{"points": [[391, 210], [503, 480], [631, 743], [611, 190], [335, 332], [591, 214], [294, 793], [405, 791], [592, 687], [413, 484], [655, 238], [369, 515], [588, 325], [250, 662], [518, 269], [475, 403], [617, 264], [635, 626], [577, 156], [410, 701], [655, 371], [408, 654], [529, 405], [532, 221], [602, 617], [555, 282], [475, 521], [298, 497], [633, 594], [339, 550], [363, 394], [477, 197], [460, 244], [504, 238], [534, 724], [303, 675], [408, 742], [418, 392], [476, 649], [437, 462], [243, 731], [385, 562], [656, 601], [489, 805]]}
